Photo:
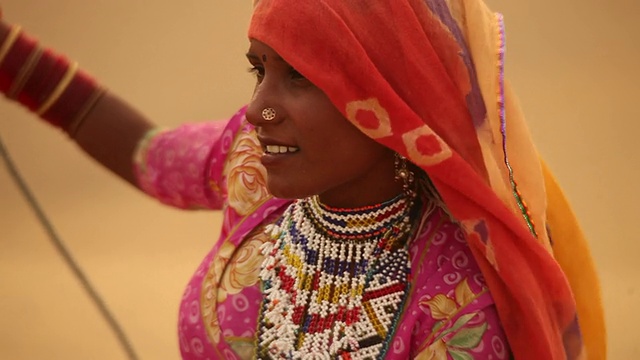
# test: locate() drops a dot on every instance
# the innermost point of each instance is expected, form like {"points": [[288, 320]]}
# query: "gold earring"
{"points": [[404, 174]]}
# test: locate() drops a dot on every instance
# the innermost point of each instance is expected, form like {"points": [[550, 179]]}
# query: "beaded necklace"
{"points": [[334, 280]]}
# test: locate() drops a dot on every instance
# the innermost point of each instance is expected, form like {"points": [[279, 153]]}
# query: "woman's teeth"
{"points": [[278, 149]]}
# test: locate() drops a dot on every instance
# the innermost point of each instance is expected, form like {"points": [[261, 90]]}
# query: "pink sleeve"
{"points": [[182, 167]]}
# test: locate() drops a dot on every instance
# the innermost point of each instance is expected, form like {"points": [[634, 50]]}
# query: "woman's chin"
{"points": [[285, 190]]}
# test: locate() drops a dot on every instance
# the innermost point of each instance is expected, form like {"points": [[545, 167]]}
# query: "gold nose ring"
{"points": [[269, 114]]}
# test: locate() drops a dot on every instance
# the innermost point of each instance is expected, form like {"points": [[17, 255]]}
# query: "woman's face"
{"points": [[309, 147]]}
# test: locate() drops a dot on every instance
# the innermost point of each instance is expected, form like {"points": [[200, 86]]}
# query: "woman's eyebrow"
{"points": [[254, 57]]}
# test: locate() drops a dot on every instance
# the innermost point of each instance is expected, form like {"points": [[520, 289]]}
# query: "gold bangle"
{"points": [[8, 42], [25, 73], [60, 88], [78, 120]]}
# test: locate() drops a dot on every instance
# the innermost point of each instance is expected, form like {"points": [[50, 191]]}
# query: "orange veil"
{"points": [[425, 78]]}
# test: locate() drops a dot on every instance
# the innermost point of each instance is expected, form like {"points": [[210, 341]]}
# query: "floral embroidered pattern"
{"points": [[233, 270], [243, 269], [209, 301], [449, 337], [246, 177]]}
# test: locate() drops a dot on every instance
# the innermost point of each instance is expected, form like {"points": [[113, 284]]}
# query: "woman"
{"points": [[355, 103]]}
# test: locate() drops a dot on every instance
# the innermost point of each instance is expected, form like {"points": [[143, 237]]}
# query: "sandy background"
{"points": [[573, 65]]}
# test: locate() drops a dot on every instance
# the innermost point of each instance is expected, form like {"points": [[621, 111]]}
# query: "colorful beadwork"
{"points": [[334, 280]]}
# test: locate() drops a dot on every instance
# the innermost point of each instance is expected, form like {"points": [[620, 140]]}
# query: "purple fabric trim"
{"points": [[503, 125], [475, 103]]}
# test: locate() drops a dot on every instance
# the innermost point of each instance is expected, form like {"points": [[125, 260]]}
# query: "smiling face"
{"points": [[310, 148]]}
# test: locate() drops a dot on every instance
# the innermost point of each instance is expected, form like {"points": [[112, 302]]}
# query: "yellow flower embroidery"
{"points": [[450, 338], [463, 293], [442, 307], [243, 269], [231, 270], [246, 177], [435, 351], [210, 288]]}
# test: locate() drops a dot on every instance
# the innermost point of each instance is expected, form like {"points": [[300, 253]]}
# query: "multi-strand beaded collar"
{"points": [[334, 280]]}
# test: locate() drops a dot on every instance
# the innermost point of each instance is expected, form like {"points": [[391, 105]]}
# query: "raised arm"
{"points": [[52, 87]]}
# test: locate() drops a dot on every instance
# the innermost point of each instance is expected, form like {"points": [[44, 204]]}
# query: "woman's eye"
{"points": [[299, 79], [295, 75], [257, 71]]}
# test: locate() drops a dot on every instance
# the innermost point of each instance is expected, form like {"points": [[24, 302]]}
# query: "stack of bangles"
{"points": [[46, 83]]}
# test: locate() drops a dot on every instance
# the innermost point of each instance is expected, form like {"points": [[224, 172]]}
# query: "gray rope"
{"points": [[61, 248]]}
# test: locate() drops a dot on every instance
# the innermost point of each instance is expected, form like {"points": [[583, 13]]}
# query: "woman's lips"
{"points": [[275, 151], [277, 155]]}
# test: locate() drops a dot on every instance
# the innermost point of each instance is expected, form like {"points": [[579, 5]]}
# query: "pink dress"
{"points": [[449, 313]]}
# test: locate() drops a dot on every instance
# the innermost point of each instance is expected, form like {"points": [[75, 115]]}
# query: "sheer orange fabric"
{"points": [[425, 78]]}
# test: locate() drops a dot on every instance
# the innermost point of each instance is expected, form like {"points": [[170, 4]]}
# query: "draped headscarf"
{"points": [[425, 78]]}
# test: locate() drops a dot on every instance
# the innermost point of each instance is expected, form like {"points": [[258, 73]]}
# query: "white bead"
{"points": [[282, 337]]}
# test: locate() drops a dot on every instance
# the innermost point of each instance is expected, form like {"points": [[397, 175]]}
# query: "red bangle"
{"points": [[82, 92], [45, 82], [46, 75], [8, 40], [16, 56], [25, 73]]}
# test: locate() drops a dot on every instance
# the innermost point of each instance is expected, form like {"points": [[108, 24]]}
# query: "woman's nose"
{"points": [[263, 108]]}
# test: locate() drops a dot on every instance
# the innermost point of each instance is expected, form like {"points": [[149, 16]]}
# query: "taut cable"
{"points": [[61, 248]]}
